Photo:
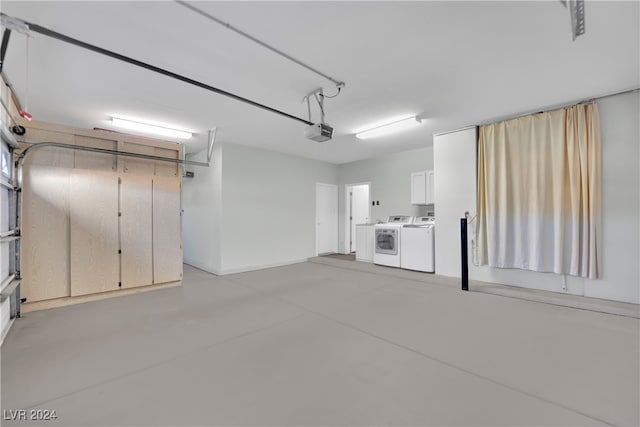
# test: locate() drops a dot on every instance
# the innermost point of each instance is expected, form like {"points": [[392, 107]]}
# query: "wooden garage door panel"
{"points": [[50, 156], [95, 161], [166, 168], [136, 230], [95, 263], [136, 165], [45, 233], [167, 235]]}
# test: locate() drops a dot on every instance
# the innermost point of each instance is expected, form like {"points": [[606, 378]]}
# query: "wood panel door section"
{"points": [[167, 230], [95, 161], [50, 156], [167, 168], [136, 230], [95, 263], [136, 165], [45, 233]]}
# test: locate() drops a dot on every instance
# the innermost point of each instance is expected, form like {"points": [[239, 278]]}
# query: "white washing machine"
{"points": [[387, 240], [417, 244]]}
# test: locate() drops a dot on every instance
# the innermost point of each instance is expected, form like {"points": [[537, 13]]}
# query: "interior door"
{"points": [[359, 210], [326, 218]]}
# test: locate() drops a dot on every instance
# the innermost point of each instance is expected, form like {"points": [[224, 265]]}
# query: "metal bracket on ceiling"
{"points": [[11, 23], [211, 140], [319, 97], [576, 14], [14, 24]]}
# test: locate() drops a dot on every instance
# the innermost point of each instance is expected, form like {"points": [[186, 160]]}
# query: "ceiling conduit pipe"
{"points": [[339, 84]]}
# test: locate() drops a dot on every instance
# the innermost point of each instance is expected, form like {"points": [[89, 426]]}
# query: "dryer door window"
{"points": [[386, 242]]}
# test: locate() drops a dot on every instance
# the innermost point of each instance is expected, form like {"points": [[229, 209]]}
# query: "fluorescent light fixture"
{"points": [[390, 126], [148, 128]]}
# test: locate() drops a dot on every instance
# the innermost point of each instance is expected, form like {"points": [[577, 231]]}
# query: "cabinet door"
{"points": [[430, 193], [136, 230], [419, 188], [45, 232], [370, 243], [167, 230], [138, 165], [365, 243], [93, 213], [361, 243], [95, 161]]}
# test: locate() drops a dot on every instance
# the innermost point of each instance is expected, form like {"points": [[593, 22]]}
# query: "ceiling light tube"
{"points": [[394, 126], [149, 128]]}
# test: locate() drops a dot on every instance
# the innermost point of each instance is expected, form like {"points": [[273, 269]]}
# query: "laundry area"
{"points": [[320, 213]]}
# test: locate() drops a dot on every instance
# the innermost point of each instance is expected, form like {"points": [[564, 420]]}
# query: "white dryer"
{"points": [[387, 240], [417, 244]]}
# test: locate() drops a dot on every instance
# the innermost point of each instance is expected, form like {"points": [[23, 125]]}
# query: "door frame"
{"points": [[347, 213], [335, 186]]}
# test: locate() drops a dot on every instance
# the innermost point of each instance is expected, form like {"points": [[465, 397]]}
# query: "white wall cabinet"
{"points": [[365, 236], [422, 188]]}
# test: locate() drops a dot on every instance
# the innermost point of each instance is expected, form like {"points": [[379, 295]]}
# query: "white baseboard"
{"points": [[223, 272], [201, 267]]}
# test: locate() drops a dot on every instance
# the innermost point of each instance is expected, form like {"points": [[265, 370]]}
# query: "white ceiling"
{"points": [[457, 63]]}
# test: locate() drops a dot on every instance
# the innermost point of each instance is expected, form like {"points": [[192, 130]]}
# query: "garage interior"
{"points": [[234, 270]]}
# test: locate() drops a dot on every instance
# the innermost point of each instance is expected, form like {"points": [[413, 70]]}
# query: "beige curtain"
{"points": [[539, 191]]}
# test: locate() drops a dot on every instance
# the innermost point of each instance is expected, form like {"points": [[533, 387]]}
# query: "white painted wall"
{"points": [[390, 178], [454, 156], [620, 122], [251, 209], [268, 201], [620, 125], [202, 206]]}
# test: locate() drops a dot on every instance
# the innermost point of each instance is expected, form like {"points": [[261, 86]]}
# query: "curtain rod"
{"points": [[557, 107], [550, 108]]}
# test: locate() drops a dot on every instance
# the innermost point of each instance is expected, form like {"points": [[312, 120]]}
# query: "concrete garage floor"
{"points": [[318, 344]]}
